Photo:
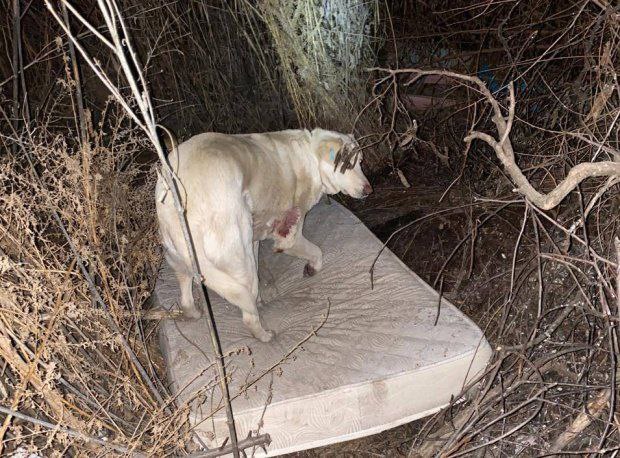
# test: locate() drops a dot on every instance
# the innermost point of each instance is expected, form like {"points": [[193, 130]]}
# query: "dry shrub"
{"points": [[323, 48], [62, 358], [550, 305]]}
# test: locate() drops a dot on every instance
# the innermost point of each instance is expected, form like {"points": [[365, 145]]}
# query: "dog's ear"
{"points": [[330, 150]]}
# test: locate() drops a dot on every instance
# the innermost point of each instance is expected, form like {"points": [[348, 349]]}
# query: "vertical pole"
{"points": [[78, 83], [16, 68]]}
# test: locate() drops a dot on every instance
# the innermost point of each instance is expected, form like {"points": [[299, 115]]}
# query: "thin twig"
{"points": [[71, 432]]}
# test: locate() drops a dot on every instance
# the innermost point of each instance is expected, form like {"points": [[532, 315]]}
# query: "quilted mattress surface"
{"points": [[349, 358]]}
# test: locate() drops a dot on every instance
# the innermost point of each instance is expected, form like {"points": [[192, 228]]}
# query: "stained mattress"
{"points": [[350, 357]]}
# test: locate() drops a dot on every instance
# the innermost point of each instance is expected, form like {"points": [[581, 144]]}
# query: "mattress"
{"points": [[352, 356]]}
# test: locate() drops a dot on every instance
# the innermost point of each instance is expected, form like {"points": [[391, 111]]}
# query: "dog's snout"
{"points": [[367, 189]]}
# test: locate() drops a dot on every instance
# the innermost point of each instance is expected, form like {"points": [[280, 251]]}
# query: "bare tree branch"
{"points": [[505, 152]]}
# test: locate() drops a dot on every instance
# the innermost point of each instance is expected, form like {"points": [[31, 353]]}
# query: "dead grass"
{"points": [[63, 361], [323, 48]]}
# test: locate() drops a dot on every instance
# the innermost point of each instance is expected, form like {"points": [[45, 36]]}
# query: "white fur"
{"points": [[237, 190]]}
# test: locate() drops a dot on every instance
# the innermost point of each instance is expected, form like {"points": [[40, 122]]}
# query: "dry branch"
{"points": [[581, 422], [502, 145]]}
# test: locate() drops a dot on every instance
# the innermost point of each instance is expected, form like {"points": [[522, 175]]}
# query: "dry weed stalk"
{"points": [[122, 50]]}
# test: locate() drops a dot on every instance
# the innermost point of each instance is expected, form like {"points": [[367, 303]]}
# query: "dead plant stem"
{"points": [[122, 47]]}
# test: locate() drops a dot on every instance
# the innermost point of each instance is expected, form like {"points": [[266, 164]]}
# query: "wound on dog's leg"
{"points": [[282, 227]]}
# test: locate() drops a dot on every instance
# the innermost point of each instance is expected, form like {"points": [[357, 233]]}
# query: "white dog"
{"points": [[240, 189]]}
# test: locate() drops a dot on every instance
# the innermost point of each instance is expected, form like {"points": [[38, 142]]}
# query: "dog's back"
{"points": [[219, 172]]}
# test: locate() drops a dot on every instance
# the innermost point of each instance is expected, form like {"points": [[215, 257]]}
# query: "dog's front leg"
{"points": [[293, 243], [304, 249]]}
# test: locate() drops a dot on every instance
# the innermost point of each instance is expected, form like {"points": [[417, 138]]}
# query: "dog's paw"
{"points": [[265, 335], [193, 313], [309, 271]]}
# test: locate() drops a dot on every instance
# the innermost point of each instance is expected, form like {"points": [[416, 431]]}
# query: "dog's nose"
{"points": [[367, 189]]}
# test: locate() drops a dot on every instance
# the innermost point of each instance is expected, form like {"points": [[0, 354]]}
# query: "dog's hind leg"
{"points": [[186, 303], [248, 305], [229, 266], [237, 292]]}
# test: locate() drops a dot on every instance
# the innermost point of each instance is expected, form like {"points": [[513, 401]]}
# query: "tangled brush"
{"points": [[322, 46], [67, 360]]}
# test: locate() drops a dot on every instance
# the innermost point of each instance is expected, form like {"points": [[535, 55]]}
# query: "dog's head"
{"points": [[340, 160]]}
